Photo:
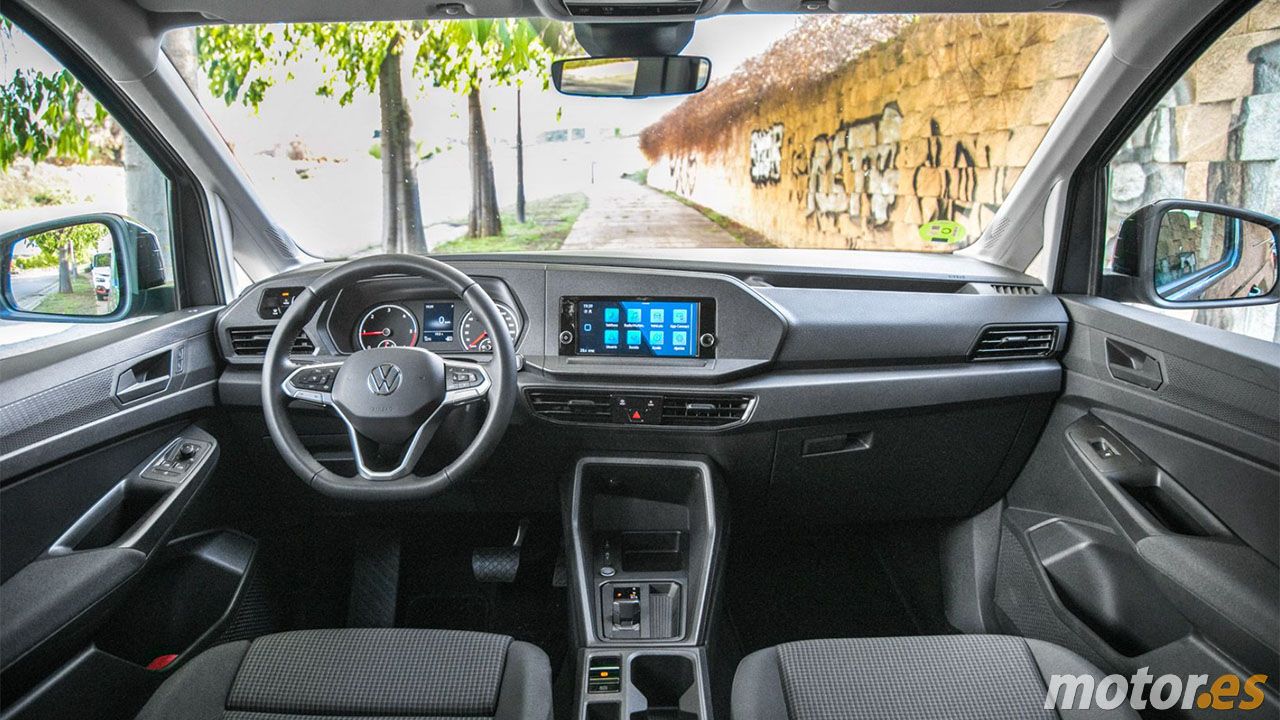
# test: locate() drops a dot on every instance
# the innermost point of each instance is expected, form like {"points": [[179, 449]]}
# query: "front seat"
{"points": [[959, 677], [349, 674]]}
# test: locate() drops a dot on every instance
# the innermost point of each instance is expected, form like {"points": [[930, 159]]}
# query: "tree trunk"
{"points": [[484, 220], [401, 209], [66, 262], [519, 159]]}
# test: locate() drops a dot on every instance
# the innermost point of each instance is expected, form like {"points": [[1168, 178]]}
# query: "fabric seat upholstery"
{"points": [[349, 674], [945, 677]]}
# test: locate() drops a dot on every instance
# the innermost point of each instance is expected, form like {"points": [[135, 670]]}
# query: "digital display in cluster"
{"points": [[437, 322]]}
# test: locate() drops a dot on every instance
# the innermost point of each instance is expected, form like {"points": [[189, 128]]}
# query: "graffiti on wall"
{"points": [[946, 184], [766, 155], [852, 172], [855, 172], [684, 172]]}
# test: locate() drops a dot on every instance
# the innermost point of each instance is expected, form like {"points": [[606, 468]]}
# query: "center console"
{"points": [[644, 534]]}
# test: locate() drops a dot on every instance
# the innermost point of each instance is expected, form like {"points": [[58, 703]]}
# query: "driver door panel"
{"points": [[79, 523]]}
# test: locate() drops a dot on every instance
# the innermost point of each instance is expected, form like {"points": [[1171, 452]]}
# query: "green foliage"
{"points": [[547, 225], [82, 239], [45, 116], [241, 60]]}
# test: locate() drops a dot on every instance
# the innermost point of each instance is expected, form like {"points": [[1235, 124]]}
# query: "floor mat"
{"points": [[786, 583], [438, 589]]}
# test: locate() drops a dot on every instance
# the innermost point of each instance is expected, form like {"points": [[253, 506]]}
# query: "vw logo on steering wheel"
{"points": [[384, 379]]}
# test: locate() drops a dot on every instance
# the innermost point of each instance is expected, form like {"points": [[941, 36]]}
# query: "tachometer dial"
{"points": [[475, 338], [387, 326]]}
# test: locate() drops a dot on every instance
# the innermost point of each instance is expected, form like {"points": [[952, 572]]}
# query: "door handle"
{"points": [[144, 378], [1131, 365]]}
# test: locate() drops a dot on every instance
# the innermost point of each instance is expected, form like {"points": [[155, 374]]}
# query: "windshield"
{"points": [[870, 132]]}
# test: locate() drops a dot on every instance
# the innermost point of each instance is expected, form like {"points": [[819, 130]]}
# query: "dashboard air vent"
{"points": [[1015, 290], [252, 342], [580, 406], [704, 410], [1008, 342]]}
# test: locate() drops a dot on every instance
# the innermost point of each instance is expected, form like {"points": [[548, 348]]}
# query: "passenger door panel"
{"points": [[1144, 529]]}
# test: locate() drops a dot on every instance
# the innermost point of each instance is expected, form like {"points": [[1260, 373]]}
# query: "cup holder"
{"points": [[669, 686]]}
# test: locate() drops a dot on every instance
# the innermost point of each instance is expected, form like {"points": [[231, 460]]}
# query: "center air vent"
{"points": [[252, 342], [601, 407], [704, 410], [1009, 342], [584, 406]]}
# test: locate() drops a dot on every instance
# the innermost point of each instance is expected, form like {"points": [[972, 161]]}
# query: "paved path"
{"points": [[623, 215]]}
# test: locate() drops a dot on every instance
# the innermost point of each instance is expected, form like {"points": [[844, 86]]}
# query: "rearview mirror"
{"points": [[86, 268], [631, 77], [1184, 253]]}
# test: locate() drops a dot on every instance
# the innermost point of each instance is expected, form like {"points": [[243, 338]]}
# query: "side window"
{"points": [[1215, 137], [62, 155]]}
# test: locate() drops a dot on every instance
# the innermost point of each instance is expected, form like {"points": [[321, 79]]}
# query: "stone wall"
{"points": [[935, 123], [1215, 136]]}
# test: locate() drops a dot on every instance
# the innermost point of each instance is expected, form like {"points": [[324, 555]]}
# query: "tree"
{"points": [[45, 116], [359, 58], [503, 52], [70, 245]]}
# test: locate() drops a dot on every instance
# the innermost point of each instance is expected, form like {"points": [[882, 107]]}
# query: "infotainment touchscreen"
{"points": [[642, 327]]}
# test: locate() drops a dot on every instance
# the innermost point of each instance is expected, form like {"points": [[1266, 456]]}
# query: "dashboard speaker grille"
{"points": [[1010, 342], [252, 342]]}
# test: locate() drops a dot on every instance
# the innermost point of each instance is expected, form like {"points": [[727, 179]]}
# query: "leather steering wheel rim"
{"points": [[277, 367]]}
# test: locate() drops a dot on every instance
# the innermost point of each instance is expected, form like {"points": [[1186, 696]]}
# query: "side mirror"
{"points": [[631, 77], [86, 268], [1188, 254]]}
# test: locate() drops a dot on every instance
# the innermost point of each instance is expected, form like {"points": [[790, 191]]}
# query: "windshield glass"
{"points": [[871, 132]]}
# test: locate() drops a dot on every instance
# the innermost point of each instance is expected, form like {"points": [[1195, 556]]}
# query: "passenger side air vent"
{"points": [[623, 8], [704, 410], [1015, 290], [577, 406], [1008, 342], [252, 342]]}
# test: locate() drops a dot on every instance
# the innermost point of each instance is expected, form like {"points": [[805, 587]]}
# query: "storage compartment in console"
{"points": [[653, 551], [669, 686], [182, 603]]}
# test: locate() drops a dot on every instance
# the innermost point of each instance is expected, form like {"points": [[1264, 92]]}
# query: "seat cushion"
{"points": [[978, 677], [374, 673]]}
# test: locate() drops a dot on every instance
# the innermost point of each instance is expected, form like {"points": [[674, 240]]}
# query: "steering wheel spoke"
{"points": [[465, 382], [312, 382]]}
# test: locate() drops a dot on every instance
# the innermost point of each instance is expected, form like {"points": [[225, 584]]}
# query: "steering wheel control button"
{"points": [[636, 409], [320, 379], [462, 379]]}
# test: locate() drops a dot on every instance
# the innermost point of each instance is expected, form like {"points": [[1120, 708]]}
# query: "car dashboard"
{"points": [[791, 370]]}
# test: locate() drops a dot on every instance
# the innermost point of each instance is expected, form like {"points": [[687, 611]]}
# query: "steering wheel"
{"points": [[392, 399]]}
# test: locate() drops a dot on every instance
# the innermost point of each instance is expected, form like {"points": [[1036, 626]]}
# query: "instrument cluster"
{"points": [[437, 325]]}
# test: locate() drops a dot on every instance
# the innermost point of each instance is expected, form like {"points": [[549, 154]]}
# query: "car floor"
{"points": [[790, 581]]}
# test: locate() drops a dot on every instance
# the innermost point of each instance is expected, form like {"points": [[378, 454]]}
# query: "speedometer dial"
{"points": [[475, 338], [387, 326]]}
